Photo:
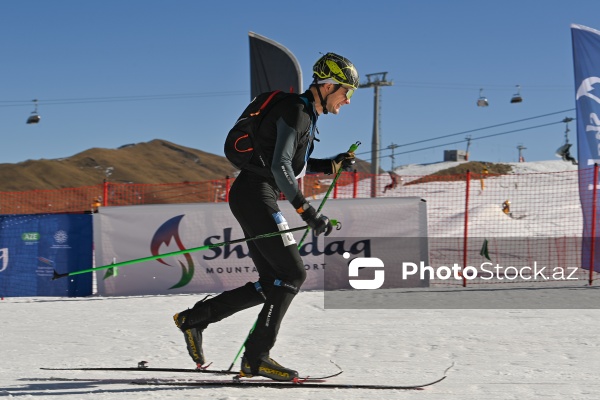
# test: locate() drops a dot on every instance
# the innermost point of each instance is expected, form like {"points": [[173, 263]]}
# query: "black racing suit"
{"points": [[286, 138]]}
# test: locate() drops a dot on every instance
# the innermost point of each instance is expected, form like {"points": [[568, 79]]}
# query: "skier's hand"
{"points": [[343, 161], [317, 222]]}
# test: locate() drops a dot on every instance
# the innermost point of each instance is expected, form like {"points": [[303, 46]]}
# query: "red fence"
{"points": [[533, 217]]}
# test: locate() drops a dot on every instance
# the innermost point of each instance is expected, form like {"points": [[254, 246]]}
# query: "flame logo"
{"points": [[163, 235]]}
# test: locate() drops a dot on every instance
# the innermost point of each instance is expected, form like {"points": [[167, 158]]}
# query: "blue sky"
{"points": [[109, 73]]}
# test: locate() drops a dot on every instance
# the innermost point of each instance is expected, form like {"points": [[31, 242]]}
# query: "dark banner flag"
{"points": [[586, 61], [272, 67]]}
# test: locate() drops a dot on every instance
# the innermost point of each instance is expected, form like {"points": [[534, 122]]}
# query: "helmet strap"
{"points": [[321, 99], [324, 100]]}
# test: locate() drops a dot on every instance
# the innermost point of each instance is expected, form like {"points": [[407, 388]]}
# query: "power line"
{"points": [[484, 137], [472, 139], [476, 130], [111, 99], [474, 87]]}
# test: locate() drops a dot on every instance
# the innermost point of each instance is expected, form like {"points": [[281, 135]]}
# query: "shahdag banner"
{"points": [[132, 232], [586, 61], [272, 67]]}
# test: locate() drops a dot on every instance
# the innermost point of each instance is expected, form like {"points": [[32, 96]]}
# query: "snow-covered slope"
{"points": [[518, 168], [497, 353]]}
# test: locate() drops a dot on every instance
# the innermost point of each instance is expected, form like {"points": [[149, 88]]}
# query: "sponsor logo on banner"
{"points": [[61, 239], [46, 268], [314, 247], [30, 237], [3, 259], [586, 89], [170, 231], [164, 234]]}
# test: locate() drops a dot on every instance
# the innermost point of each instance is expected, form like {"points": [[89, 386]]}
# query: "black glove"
{"points": [[317, 222], [343, 161]]}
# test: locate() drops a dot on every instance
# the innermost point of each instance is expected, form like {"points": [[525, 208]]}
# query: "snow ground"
{"points": [[497, 353], [517, 168]]}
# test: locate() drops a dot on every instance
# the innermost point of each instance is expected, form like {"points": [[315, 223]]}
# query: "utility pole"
{"points": [[468, 139], [392, 147], [567, 130], [375, 81]]}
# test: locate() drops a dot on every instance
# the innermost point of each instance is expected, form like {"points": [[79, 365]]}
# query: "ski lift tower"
{"points": [[521, 148], [392, 147], [375, 81], [468, 139]]}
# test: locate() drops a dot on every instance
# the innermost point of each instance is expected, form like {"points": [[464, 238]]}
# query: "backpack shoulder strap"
{"points": [[266, 103]]}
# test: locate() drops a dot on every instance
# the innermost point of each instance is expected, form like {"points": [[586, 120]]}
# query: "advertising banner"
{"points": [[32, 246], [586, 62], [127, 233]]}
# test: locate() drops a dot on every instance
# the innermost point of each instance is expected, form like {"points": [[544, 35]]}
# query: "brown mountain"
{"points": [[157, 161]]}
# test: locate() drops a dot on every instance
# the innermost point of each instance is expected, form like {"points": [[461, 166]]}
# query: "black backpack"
{"points": [[241, 147]]}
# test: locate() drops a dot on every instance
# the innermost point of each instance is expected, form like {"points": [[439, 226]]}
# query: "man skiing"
{"points": [[286, 137]]}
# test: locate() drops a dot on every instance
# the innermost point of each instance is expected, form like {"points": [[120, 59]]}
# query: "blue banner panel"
{"points": [[32, 246], [586, 63]]}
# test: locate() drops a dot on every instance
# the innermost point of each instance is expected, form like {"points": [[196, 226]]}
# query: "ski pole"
{"points": [[351, 150], [334, 222], [176, 253]]}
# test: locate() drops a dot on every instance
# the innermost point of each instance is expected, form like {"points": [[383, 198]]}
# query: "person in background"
{"points": [[96, 204], [394, 183], [506, 207]]}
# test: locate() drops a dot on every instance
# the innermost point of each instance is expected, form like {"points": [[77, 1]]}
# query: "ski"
{"points": [[148, 369], [143, 368], [277, 384]]}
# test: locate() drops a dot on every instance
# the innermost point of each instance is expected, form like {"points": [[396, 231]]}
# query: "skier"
{"points": [[395, 181], [484, 174], [506, 208], [286, 136], [96, 204]]}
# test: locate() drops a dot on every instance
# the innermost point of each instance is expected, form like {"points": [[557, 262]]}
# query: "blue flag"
{"points": [[586, 61]]}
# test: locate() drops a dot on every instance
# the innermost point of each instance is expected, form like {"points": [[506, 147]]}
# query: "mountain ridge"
{"points": [[154, 162]]}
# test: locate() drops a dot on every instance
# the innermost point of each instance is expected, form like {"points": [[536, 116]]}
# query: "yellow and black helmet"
{"points": [[337, 68]]}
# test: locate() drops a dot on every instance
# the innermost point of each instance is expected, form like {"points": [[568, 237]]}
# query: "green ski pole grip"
{"points": [[354, 147]]}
